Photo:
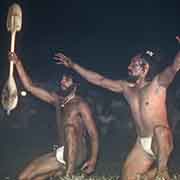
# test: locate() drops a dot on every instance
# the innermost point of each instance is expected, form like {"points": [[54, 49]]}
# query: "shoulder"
{"points": [[56, 97], [156, 83], [82, 103]]}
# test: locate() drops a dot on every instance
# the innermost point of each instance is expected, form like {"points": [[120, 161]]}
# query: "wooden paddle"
{"points": [[9, 92]]}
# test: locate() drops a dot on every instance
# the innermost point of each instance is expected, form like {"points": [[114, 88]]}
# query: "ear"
{"points": [[146, 68]]}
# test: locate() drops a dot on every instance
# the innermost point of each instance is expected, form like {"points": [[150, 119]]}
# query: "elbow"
{"points": [[94, 136], [28, 86]]}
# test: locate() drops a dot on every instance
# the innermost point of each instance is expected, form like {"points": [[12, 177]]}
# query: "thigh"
{"points": [[137, 162], [41, 166]]}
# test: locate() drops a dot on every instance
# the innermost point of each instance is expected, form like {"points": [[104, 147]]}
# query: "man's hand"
{"points": [[13, 57], [62, 59], [89, 166], [177, 61], [178, 39]]}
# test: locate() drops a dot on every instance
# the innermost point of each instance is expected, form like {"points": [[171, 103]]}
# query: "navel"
{"points": [[146, 103]]}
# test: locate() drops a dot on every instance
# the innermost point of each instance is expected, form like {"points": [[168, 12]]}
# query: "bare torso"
{"points": [[148, 107], [70, 115]]}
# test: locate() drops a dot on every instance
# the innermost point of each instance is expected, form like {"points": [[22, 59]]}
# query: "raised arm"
{"points": [[92, 77], [89, 122], [27, 82], [167, 76]]}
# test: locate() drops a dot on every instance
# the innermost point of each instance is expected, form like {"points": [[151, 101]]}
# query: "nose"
{"points": [[62, 82], [129, 67]]}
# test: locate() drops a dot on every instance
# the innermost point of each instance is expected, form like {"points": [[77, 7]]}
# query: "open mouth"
{"points": [[63, 86], [130, 72]]}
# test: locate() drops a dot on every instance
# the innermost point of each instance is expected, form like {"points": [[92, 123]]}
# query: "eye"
{"points": [[136, 65]]}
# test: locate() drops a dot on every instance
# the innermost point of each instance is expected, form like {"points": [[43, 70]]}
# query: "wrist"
{"points": [[93, 160], [17, 62], [69, 172]]}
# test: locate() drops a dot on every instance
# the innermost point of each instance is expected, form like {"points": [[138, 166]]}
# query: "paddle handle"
{"points": [[13, 37]]}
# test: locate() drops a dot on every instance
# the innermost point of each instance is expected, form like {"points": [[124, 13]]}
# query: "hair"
{"points": [[153, 59], [75, 79], [71, 74]]}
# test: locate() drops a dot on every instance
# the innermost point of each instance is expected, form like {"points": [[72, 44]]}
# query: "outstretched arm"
{"points": [[167, 76], [92, 77], [27, 82], [89, 122]]}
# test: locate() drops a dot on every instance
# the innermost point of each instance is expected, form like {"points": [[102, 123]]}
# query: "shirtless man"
{"points": [[146, 96], [74, 121]]}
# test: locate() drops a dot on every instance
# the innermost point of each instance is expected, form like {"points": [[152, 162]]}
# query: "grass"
{"points": [[82, 177]]}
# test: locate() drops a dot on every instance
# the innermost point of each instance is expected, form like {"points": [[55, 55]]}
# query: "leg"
{"points": [[41, 168], [137, 163], [163, 146]]}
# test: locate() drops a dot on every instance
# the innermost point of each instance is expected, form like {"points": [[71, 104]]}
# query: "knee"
{"points": [[22, 177], [26, 175], [128, 173]]}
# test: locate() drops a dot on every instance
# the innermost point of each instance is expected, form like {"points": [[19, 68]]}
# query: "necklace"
{"points": [[67, 99]]}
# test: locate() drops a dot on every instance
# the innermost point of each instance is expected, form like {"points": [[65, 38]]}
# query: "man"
{"points": [[74, 120], [146, 95]]}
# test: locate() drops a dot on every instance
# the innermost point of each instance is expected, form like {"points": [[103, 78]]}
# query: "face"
{"points": [[66, 82], [136, 67]]}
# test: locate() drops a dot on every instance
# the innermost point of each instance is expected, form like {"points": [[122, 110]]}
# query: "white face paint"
{"points": [[135, 68]]}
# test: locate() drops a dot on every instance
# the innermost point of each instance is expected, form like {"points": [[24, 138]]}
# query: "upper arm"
{"points": [[167, 76], [113, 85], [42, 94], [88, 119]]}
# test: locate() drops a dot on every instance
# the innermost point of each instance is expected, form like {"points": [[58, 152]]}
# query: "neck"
{"points": [[69, 97], [141, 82]]}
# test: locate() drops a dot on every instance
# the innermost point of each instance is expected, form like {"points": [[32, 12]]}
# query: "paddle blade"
{"points": [[9, 96], [14, 18]]}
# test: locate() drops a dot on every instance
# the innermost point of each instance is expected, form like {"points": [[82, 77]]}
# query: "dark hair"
{"points": [[153, 59], [71, 74]]}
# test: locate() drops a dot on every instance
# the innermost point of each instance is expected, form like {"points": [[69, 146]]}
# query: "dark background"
{"points": [[99, 35]]}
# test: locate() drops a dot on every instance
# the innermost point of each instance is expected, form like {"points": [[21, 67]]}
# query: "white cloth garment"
{"points": [[146, 143], [60, 155]]}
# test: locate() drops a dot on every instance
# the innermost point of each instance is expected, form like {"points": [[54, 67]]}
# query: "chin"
{"points": [[63, 88], [132, 79]]}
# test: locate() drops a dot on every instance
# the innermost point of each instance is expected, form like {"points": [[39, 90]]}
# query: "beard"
{"points": [[132, 79], [66, 92]]}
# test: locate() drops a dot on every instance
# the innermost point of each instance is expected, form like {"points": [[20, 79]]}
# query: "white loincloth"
{"points": [[146, 143], [60, 155]]}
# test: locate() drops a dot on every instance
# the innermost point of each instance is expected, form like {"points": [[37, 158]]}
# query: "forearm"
{"points": [[27, 82], [167, 76], [89, 75], [71, 141], [175, 67], [94, 148], [162, 163]]}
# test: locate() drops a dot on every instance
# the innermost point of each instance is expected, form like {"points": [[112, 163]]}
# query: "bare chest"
{"points": [[71, 113], [149, 95], [147, 104]]}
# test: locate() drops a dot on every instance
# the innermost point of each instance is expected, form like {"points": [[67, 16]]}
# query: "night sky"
{"points": [[98, 34]]}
